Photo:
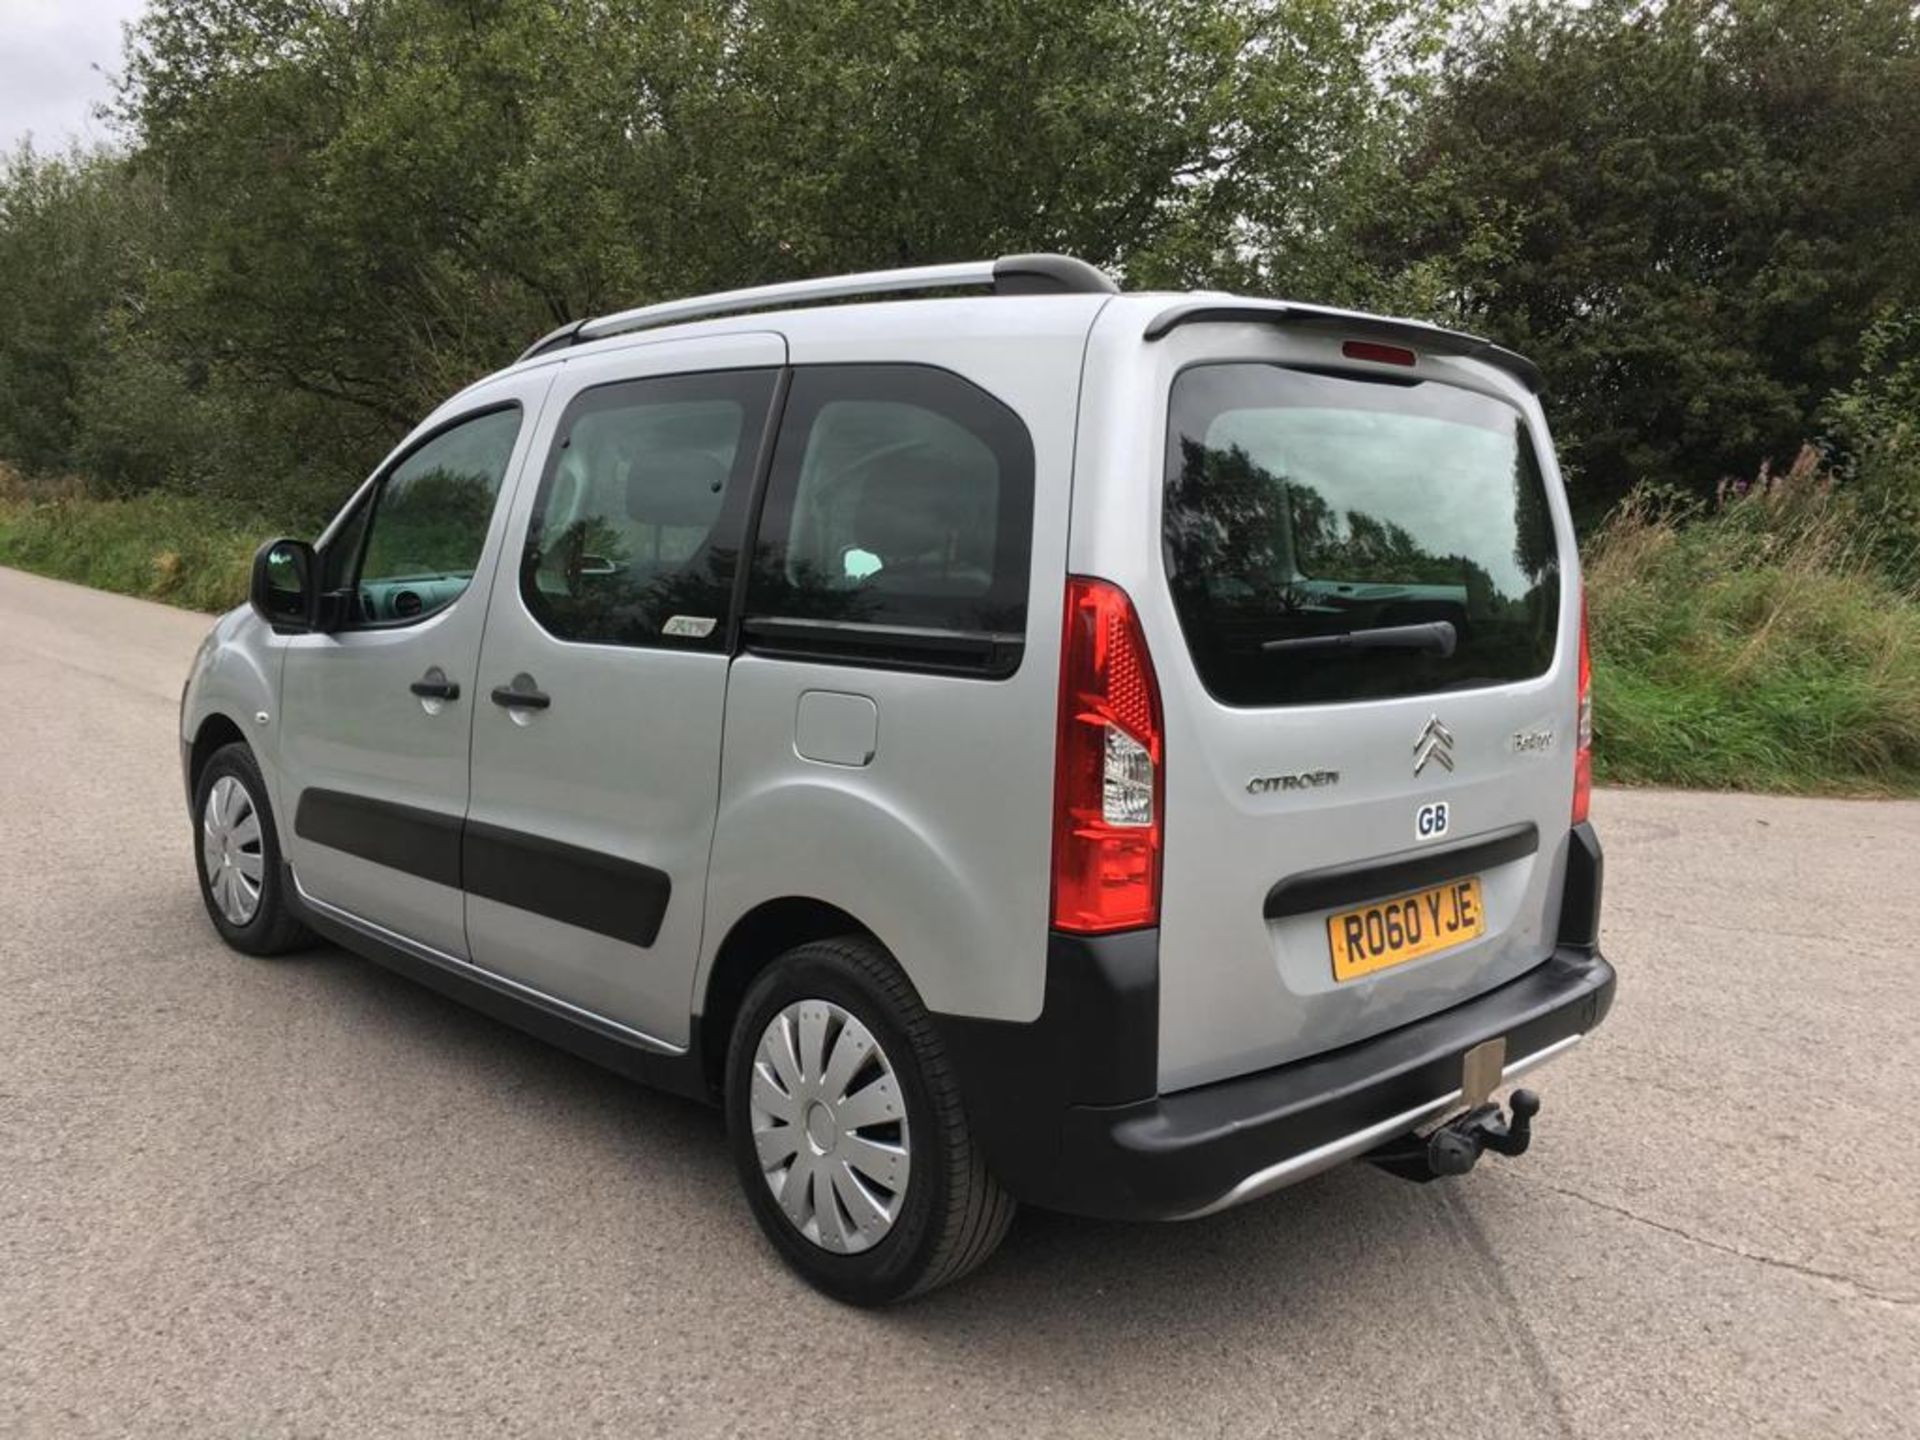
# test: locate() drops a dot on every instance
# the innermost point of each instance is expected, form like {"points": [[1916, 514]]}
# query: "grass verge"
{"points": [[174, 548], [1758, 647]]}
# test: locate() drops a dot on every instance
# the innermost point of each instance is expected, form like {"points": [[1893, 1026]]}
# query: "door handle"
{"points": [[429, 688], [516, 697]]}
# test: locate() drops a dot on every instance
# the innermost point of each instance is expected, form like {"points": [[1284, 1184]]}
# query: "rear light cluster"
{"points": [[1583, 752], [1108, 796]]}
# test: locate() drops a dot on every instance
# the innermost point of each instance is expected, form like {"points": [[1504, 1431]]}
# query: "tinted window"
{"points": [[901, 496], [635, 531], [427, 522], [1305, 507]]}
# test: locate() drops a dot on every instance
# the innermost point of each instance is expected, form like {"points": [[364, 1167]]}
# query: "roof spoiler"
{"points": [[1352, 323]]}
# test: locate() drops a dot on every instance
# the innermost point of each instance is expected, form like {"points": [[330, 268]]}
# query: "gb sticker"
{"points": [[1431, 821]]}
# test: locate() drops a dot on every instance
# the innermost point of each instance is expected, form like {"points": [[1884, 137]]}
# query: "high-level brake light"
{"points": [[1377, 353]]}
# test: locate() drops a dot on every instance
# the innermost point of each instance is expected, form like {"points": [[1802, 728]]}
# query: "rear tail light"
{"points": [[1107, 784], [1583, 751]]}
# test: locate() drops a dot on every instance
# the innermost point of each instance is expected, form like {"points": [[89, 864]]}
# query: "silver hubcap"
{"points": [[230, 850], [830, 1126]]}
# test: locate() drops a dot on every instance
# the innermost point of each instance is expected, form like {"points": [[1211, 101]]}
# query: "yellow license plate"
{"points": [[1376, 937]]}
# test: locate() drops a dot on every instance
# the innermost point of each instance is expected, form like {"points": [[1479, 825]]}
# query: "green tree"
{"points": [[1687, 212], [1875, 427], [68, 256], [380, 201]]}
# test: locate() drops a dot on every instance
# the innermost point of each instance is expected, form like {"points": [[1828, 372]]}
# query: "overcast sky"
{"points": [[48, 83]]}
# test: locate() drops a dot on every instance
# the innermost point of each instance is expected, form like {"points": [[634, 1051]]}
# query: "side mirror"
{"points": [[282, 591]]}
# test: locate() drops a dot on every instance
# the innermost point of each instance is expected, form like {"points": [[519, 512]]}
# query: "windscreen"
{"points": [[1332, 537]]}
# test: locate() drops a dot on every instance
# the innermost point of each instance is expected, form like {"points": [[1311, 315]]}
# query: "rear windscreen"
{"points": [[1335, 538]]}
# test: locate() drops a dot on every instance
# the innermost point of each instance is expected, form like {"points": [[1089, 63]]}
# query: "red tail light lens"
{"points": [[1583, 753], [1107, 783]]}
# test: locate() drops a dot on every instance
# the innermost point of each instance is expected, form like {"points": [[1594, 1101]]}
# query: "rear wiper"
{"points": [[1433, 637]]}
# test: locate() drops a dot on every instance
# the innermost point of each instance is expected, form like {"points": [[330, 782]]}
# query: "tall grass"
{"points": [[1755, 644], [180, 549]]}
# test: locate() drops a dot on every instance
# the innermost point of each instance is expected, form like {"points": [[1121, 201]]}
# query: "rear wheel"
{"points": [[848, 1133], [239, 857]]}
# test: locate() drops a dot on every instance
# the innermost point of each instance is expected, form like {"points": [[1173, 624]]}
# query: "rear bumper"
{"points": [[1066, 1110], [1201, 1150]]}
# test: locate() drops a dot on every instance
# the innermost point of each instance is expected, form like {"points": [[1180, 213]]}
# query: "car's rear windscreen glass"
{"points": [[1333, 538]]}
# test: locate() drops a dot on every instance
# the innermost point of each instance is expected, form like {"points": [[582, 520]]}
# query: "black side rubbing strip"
{"points": [[602, 893], [1313, 890], [425, 843]]}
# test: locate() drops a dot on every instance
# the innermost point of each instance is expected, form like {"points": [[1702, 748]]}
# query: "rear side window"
{"points": [[898, 522], [1310, 517], [635, 532]]}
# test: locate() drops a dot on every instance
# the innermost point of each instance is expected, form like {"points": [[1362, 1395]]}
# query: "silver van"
{"points": [[1000, 737]]}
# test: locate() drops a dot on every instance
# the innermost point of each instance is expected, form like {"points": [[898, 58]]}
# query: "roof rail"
{"points": [[1009, 275]]}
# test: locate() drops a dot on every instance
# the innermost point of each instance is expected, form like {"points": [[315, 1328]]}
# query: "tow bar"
{"points": [[1453, 1148]]}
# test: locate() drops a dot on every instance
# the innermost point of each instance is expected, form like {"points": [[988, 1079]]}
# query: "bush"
{"points": [[1876, 424], [1755, 644]]}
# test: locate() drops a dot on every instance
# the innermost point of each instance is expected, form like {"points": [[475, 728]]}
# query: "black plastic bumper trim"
{"points": [[1175, 1155], [1580, 899], [1377, 879], [1066, 1110], [1096, 1042]]}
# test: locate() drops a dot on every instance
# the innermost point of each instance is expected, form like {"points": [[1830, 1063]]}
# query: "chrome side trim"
{"points": [[1299, 1167], [505, 984]]}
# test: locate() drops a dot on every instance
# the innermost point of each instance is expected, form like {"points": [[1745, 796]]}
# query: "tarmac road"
{"points": [[301, 1197]]}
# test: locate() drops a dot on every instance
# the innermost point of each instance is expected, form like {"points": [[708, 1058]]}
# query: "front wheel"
{"points": [[239, 854], [847, 1130]]}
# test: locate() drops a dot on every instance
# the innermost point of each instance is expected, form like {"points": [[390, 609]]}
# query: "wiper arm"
{"points": [[1433, 637]]}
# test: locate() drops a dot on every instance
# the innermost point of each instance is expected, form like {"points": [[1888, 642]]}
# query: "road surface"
{"points": [[257, 1198]]}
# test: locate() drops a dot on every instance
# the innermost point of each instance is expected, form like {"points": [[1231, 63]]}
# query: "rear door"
{"points": [[602, 679], [1361, 601]]}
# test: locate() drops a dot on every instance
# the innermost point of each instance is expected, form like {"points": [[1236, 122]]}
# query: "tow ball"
{"points": [[1455, 1147]]}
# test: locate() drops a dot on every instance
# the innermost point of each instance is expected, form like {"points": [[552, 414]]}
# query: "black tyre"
{"points": [[847, 1129], [237, 857]]}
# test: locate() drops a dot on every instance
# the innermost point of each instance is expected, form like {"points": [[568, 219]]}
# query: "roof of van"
{"points": [[1029, 276]]}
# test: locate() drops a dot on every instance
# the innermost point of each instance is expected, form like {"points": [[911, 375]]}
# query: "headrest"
{"points": [[676, 487], [912, 507]]}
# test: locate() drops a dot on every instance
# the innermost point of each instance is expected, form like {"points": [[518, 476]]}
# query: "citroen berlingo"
{"points": [[1002, 738]]}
